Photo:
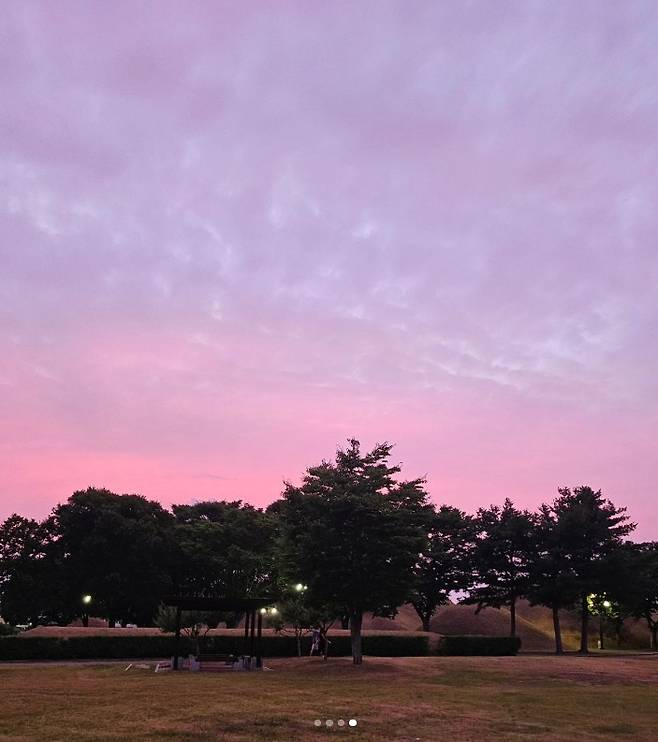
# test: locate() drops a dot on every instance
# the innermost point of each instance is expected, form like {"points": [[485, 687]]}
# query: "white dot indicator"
{"points": [[329, 722], [341, 722], [318, 722], [352, 722]]}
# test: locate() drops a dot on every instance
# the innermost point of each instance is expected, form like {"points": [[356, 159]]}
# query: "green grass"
{"points": [[452, 698]]}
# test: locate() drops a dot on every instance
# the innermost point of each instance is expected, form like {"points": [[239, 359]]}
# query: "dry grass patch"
{"points": [[463, 698]]}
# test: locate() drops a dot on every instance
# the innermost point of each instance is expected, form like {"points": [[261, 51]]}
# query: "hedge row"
{"points": [[481, 646], [151, 647]]}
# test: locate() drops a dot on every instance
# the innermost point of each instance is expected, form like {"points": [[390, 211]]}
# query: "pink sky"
{"points": [[235, 234]]}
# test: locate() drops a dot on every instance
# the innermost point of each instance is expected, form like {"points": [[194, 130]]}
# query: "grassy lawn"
{"points": [[451, 698]]}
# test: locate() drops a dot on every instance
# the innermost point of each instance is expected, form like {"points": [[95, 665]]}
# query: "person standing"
{"points": [[315, 642]]}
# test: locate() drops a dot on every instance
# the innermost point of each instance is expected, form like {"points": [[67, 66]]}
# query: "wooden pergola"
{"points": [[253, 625]]}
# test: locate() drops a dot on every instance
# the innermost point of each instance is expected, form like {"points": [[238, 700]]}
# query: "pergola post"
{"points": [[177, 637], [247, 616], [259, 650], [253, 628]]}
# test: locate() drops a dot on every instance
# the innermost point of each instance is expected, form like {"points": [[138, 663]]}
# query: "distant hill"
{"points": [[534, 625], [405, 620]]}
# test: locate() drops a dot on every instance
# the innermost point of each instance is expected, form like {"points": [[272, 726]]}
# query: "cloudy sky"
{"points": [[235, 234]]}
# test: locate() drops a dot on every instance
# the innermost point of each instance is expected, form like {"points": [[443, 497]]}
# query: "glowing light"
{"points": [[263, 610], [274, 610], [86, 599], [606, 604], [299, 587]]}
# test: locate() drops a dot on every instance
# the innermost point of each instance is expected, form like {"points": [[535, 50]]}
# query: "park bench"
{"points": [[212, 661]]}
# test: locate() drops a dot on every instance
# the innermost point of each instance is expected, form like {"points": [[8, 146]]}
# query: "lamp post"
{"points": [[86, 602], [606, 605]]}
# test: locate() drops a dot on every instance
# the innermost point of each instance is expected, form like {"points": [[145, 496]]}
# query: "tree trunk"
{"points": [[356, 620], [345, 621], [653, 628], [512, 616], [557, 630], [85, 620], [424, 615], [299, 645], [584, 625]]}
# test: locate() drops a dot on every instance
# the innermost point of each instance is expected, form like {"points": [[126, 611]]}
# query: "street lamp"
{"points": [[86, 601]]}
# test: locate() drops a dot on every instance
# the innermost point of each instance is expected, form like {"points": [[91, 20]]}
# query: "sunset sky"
{"points": [[234, 234]]}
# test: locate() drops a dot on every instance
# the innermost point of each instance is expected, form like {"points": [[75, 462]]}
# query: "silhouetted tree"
{"points": [[553, 582], [194, 624], [504, 546], [294, 616], [31, 580], [117, 549], [445, 564], [637, 590], [225, 548], [352, 533], [588, 528]]}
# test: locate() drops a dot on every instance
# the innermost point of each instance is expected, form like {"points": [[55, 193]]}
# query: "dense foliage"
{"points": [[143, 647], [352, 534], [351, 538], [479, 645]]}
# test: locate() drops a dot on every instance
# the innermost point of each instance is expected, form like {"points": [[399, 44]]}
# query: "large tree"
{"points": [[225, 548], [553, 582], [352, 533], [587, 530], [30, 572], [635, 587], [117, 549], [445, 564], [504, 545]]}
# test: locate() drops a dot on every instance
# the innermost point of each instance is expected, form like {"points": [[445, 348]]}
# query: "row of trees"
{"points": [[351, 538]]}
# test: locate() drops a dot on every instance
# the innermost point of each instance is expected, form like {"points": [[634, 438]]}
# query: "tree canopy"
{"points": [[353, 537], [353, 533], [501, 559]]}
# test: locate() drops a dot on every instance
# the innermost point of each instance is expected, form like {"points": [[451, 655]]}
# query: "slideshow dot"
{"points": [[341, 722], [318, 722], [329, 722], [352, 722]]}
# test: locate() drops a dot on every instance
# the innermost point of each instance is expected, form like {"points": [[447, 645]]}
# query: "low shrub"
{"points": [[394, 645], [7, 629], [89, 647], [152, 647], [481, 646]]}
